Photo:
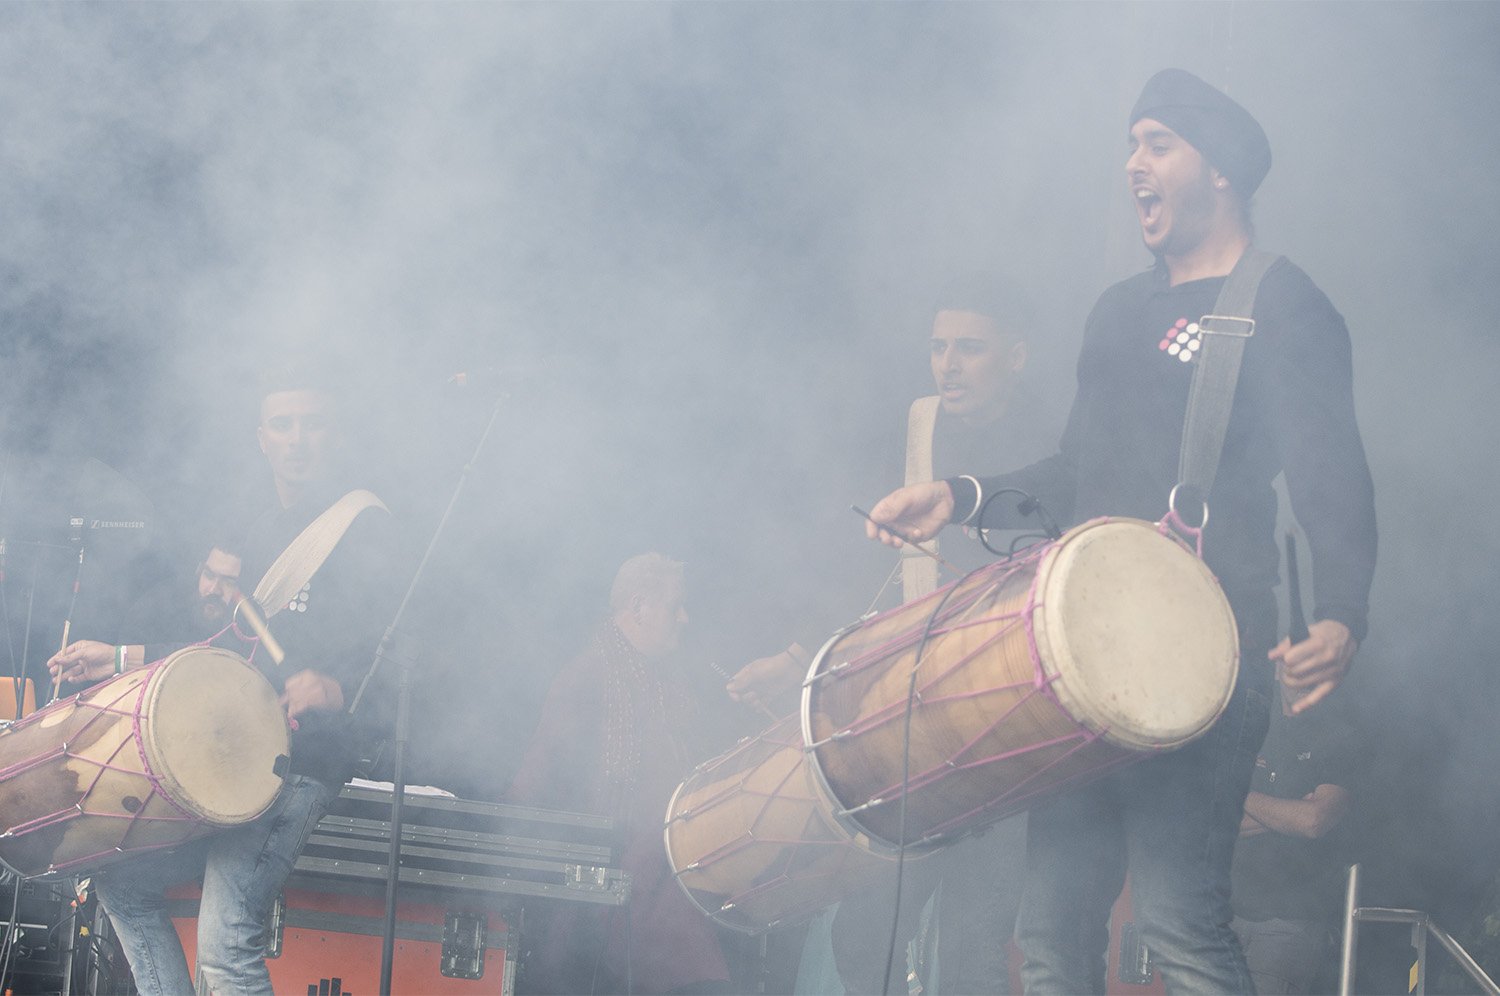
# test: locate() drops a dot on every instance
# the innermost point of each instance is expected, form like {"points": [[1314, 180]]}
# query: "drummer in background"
{"points": [[329, 635], [180, 611], [615, 738], [1194, 159], [175, 613], [985, 414], [1289, 863]]}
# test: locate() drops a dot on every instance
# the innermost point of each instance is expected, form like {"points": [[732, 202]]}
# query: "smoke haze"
{"points": [[700, 242]]}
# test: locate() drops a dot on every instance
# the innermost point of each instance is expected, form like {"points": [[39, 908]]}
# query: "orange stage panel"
{"points": [[330, 945]]}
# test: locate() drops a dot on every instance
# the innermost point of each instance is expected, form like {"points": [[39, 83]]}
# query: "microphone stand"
{"points": [[404, 660]]}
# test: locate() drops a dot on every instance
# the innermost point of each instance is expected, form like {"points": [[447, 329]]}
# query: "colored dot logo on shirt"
{"points": [[1182, 340]]}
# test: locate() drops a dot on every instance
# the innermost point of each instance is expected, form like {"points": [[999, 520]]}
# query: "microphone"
{"points": [[1032, 506], [495, 379]]}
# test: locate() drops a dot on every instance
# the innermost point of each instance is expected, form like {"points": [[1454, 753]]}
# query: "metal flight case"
{"points": [[469, 872]]}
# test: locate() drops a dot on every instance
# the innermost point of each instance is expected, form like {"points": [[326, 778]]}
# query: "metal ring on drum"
{"points": [[1039, 673]]}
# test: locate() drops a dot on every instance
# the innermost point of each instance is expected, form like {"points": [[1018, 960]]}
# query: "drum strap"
{"points": [[305, 554], [919, 573], [1211, 397]]}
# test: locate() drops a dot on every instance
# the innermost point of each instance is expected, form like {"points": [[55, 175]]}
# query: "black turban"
{"points": [[1221, 130]]}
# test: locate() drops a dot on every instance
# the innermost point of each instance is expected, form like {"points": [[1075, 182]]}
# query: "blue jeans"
{"points": [[1173, 820], [243, 870]]}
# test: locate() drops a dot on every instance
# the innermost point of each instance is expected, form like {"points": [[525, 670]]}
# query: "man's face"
{"points": [[1173, 189], [974, 365], [299, 436], [659, 621], [218, 579]]}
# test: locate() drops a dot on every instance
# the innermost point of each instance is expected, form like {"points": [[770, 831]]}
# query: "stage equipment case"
{"points": [[469, 871]]}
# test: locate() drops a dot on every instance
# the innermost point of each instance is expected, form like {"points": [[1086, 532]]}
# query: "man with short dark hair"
{"points": [[183, 608], [329, 630], [983, 415], [1195, 159]]}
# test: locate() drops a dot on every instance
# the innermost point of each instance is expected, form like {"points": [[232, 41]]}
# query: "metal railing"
{"points": [[1421, 926]]}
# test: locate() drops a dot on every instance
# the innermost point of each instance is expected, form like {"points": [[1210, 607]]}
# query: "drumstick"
{"points": [[1297, 619], [57, 683], [919, 547], [728, 678], [1297, 624]]}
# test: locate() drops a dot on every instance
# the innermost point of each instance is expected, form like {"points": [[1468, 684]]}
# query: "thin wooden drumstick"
{"points": [[728, 678], [919, 547], [57, 684]]}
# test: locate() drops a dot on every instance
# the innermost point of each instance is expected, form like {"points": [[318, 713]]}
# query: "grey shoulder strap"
{"points": [[1225, 333], [305, 554]]}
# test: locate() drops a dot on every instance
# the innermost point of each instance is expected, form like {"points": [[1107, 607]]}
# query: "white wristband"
{"points": [[978, 498]]}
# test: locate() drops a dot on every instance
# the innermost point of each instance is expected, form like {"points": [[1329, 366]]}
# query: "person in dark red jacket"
{"points": [[615, 739]]}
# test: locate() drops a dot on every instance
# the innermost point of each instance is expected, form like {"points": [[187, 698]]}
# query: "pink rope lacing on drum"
{"points": [[1040, 684], [880, 652], [102, 709], [944, 626], [783, 871]]}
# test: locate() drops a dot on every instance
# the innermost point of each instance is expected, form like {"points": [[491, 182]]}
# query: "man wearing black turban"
{"points": [[1196, 157]]}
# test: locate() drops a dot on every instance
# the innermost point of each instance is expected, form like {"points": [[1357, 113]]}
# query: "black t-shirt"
{"points": [[1282, 876], [332, 626]]}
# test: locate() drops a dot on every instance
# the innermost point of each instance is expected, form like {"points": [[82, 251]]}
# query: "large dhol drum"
{"points": [[1032, 675], [754, 843], [149, 759]]}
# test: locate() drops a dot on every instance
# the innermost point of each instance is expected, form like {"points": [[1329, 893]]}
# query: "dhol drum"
{"points": [[149, 759], [753, 842], [1030, 676]]}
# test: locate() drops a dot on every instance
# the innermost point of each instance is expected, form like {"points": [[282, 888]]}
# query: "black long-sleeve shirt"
{"points": [[1293, 411], [331, 627]]}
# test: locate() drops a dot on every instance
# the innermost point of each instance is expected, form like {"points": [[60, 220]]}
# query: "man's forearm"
{"points": [[1310, 817]]}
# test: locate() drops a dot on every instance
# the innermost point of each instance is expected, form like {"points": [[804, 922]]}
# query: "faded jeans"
{"points": [[1173, 820], [243, 871]]}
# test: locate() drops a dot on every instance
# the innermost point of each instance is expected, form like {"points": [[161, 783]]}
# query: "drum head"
{"points": [[1137, 632], [213, 735]]}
